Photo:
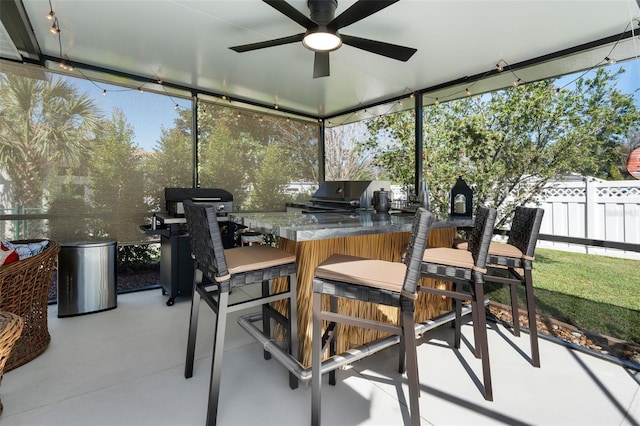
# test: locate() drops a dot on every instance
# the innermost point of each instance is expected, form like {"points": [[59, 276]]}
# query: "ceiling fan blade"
{"points": [[359, 10], [291, 12], [269, 43], [321, 65], [389, 50]]}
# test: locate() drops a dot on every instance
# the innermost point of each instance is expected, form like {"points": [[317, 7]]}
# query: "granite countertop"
{"points": [[324, 225]]}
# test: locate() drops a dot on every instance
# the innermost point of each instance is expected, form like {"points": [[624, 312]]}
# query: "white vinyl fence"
{"points": [[594, 209]]}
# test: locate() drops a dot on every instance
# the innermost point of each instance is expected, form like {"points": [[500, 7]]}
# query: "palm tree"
{"points": [[44, 124]]}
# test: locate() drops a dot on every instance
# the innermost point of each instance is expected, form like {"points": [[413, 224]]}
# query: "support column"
{"points": [[419, 146]]}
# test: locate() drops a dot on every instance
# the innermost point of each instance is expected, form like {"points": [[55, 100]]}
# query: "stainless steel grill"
{"points": [[347, 194]]}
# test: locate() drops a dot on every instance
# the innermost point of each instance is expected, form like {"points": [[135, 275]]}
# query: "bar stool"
{"points": [[227, 269], [11, 326], [466, 268], [515, 257], [376, 281]]}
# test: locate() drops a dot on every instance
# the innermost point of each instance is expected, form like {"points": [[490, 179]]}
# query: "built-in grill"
{"points": [[347, 194], [176, 265]]}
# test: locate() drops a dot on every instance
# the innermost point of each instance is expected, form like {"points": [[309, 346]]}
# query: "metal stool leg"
{"points": [[316, 361], [481, 331], [216, 362], [293, 326], [409, 337], [193, 324], [266, 316], [531, 311]]}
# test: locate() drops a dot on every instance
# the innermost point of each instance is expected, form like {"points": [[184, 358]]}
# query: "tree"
{"points": [[171, 163], [507, 145], [45, 125], [345, 158], [116, 180]]}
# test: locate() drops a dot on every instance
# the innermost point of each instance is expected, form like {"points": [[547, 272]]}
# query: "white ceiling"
{"points": [[186, 43]]}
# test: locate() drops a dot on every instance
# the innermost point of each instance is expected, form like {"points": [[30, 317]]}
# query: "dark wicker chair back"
{"points": [[481, 235], [24, 291], [525, 229], [206, 241], [415, 249]]}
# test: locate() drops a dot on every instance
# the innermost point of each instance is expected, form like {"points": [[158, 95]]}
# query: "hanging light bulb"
{"points": [[176, 107], [140, 90], [499, 67], [51, 15], [611, 61], [104, 92], [55, 28], [468, 92], [517, 83], [437, 101]]}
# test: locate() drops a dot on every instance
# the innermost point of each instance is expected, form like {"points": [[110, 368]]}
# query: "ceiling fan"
{"points": [[322, 31]]}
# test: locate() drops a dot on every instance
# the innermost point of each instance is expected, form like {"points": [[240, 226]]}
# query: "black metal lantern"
{"points": [[461, 199]]}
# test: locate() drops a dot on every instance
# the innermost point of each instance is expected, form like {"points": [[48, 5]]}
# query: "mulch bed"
{"points": [[605, 345]]}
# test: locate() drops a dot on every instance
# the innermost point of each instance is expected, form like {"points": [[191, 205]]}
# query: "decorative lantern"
{"points": [[461, 199]]}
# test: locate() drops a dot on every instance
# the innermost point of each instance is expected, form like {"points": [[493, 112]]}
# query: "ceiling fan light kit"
{"points": [[322, 40], [322, 31]]}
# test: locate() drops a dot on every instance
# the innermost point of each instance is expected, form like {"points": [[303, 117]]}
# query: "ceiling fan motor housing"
{"points": [[322, 11]]}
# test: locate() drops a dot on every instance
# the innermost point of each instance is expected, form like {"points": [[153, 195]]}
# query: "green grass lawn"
{"points": [[592, 292]]}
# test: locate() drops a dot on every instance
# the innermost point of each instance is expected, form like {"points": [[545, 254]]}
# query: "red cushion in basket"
{"points": [[7, 255]]}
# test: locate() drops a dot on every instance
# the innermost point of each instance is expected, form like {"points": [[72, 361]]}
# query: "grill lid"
{"points": [[197, 194]]}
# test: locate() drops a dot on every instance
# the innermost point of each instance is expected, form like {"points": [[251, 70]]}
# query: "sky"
{"points": [[148, 112]]}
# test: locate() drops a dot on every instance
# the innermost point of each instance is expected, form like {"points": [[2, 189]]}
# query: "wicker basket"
{"points": [[24, 291], [10, 328]]}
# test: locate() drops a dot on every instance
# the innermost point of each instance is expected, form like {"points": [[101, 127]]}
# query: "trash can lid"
{"points": [[88, 243]]}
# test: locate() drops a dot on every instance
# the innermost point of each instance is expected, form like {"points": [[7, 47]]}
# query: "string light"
{"points": [[499, 67], [437, 101], [176, 107], [140, 90], [517, 83], [55, 27], [104, 92], [467, 91], [610, 60]]}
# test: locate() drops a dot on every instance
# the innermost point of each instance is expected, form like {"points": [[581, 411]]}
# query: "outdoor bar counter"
{"points": [[313, 237]]}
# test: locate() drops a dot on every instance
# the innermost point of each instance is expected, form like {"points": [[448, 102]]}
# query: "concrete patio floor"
{"points": [[125, 367]]}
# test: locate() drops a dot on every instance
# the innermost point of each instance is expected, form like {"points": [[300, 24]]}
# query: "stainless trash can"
{"points": [[86, 277]]}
